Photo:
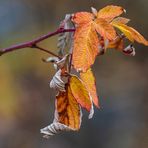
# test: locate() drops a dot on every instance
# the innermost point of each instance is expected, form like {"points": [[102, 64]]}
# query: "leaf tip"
{"points": [[94, 11]]}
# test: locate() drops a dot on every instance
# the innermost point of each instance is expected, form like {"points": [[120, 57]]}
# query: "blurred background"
{"points": [[27, 102]]}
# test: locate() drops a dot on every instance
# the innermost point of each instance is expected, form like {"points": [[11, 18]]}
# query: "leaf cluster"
{"points": [[83, 36], [95, 33]]}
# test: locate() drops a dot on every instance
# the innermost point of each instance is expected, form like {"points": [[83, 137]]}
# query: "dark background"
{"points": [[27, 102]]}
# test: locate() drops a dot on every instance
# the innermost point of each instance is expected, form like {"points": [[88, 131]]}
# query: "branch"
{"points": [[47, 51], [32, 44]]}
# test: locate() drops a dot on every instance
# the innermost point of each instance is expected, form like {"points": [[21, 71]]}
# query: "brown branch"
{"points": [[32, 44]]}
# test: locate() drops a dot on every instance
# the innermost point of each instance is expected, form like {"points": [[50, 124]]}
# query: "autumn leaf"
{"points": [[54, 128], [65, 39], [67, 114], [81, 18], [85, 47], [138, 37], [100, 24], [86, 40], [80, 92], [94, 34], [68, 109], [118, 43], [122, 20], [105, 29], [57, 82], [82, 36], [90, 84], [110, 12], [131, 33], [124, 29]]}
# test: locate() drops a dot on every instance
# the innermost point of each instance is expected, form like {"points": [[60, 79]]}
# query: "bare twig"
{"points": [[47, 51], [70, 63], [32, 44]]}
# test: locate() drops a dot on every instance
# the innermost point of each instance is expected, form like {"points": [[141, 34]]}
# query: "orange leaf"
{"points": [[90, 84], [68, 109], [123, 28], [80, 92], [105, 29], [117, 43], [131, 33], [110, 12], [82, 18], [138, 37], [121, 20], [85, 47]]}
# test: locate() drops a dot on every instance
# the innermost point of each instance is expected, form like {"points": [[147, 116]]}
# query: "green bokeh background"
{"points": [[27, 102]]}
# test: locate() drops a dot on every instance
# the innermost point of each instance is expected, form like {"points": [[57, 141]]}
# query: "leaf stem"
{"points": [[70, 63]]}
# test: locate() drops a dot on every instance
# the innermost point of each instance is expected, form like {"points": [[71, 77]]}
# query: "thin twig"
{"points": [[32, 43], [47, 51], [70, 63]]}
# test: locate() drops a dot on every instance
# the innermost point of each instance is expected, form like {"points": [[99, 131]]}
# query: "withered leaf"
{"points": [[68, 109]]}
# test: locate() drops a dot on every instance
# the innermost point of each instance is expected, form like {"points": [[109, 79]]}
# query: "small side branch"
{"points": [[32, 44], [47, 51]]}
